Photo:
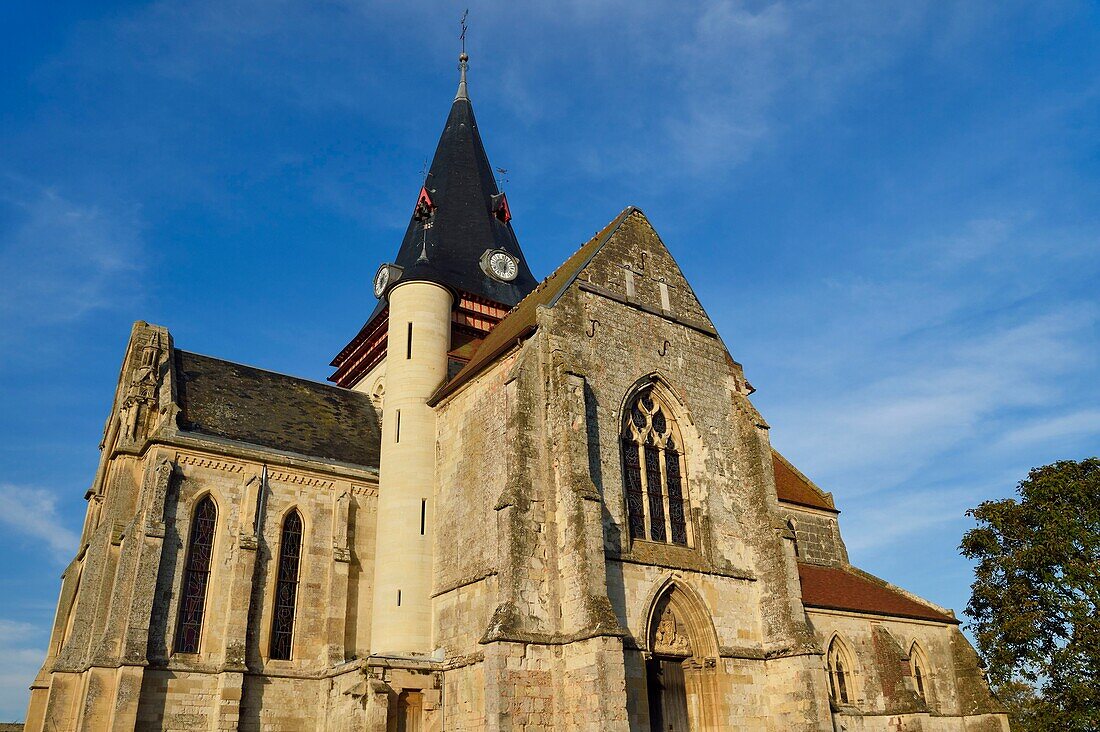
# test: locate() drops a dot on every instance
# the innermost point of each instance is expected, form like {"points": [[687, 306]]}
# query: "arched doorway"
{"points": [[680, 664], [665, 683]]}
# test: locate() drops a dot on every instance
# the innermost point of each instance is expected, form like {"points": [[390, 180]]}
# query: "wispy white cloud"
{"points": [[882, 523], [32, 514], [705, 84], [61, 259], [1051, 428], [885, 430], [22, 648], [752, 72], [937, 374]]}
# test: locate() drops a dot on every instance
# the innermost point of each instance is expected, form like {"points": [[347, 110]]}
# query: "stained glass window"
{"points": [[286, 586], [656, 495], [676, 518], [632, 477], [196, 576], [656, 501]]}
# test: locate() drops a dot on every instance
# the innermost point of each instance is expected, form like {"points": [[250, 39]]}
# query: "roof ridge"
{"points": [[858, 575], [314, 382], [825, 495], [605, 233], [565, 261], [521, 321], [854, 570]]}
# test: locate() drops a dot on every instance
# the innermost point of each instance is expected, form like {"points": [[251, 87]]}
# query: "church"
{"points": [[520, 505]]}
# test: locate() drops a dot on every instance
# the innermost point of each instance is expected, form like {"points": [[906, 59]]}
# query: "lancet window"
{"points": [[653, 469], [918, 664], [841, 676], [286, 586], [196, 576]]}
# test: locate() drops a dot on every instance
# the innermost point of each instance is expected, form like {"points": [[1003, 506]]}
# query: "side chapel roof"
{"points": [[836, 588], [792, 486], [235, 402]]}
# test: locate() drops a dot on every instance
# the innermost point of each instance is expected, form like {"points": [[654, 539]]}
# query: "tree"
{"points": [[1036, 593]]}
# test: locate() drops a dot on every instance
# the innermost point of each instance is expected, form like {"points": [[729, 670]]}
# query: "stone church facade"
{"points": [[521, 505]]}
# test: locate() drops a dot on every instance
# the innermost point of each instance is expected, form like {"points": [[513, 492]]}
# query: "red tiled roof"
{"points": [[834, 588], [520, 322], [793, 487]]}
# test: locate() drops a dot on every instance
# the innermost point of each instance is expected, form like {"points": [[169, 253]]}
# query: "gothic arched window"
{"points": [[656, 501], [841, 676], [196, 576], [286, 586], [918, 664]]}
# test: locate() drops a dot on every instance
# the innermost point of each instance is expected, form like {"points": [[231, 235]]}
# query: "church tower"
{"points": [[458, 272]]}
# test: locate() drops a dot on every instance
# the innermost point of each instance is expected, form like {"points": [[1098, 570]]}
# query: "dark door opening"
{"points": [[667, 695]]}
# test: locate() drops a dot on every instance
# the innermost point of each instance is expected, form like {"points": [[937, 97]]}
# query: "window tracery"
{"points": [[841, 673], [196, 576], [653, 472], [286, 587]]}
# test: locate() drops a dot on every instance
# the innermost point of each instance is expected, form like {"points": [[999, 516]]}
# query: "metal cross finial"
{"points": [[462, 59]]}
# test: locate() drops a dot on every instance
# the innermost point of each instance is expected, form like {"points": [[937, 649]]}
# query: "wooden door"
{"points": [[667, 696], [409, 705]]}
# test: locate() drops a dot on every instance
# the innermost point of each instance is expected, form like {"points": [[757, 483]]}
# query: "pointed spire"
{"points": [[463, 58]]}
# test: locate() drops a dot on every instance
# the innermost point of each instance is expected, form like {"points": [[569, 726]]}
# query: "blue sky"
{"points": [[891, 211]]}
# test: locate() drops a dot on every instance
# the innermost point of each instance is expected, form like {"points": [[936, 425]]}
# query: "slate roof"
{"points": [[224, 399], [463, 188], [835, 588], [520, 321], [793, 487]]}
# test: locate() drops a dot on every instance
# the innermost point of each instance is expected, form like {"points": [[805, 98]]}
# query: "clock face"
{"points": [[381, 279], [503, 266]]}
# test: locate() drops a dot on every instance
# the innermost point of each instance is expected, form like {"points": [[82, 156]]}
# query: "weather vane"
{"points": [[462, 36]]}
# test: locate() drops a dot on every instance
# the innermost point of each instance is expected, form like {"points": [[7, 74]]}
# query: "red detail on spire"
{"points": [[424, 206], [500, 208]]}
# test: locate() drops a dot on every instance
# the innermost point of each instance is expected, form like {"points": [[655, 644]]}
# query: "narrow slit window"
{"points": [[399, 598], [409, 343], [423, 514], [196, 576], [397, 425], [286, 588]]}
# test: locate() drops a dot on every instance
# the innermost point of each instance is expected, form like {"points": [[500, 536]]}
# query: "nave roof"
{"points": [[231, 401]]}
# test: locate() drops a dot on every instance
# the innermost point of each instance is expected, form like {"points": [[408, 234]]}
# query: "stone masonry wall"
{"points": [[817, 535], [641, 333], [883, 686]]}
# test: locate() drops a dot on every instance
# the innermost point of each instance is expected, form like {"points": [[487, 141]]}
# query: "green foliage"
{"points": [[1025, 707], [1035, 596]]}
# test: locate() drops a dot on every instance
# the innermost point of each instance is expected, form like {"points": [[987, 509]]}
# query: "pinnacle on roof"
{"points": [[461, 216]]}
